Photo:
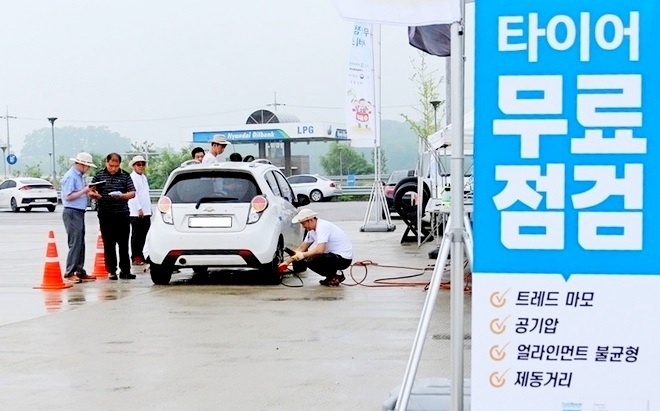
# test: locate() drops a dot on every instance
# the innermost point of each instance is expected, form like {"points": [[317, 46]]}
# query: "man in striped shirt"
{"points": [[113, 215]]}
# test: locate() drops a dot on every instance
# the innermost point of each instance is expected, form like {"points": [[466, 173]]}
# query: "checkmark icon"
{"points": [[498, 353], [497, 326], [497, 380], [498, 299]]}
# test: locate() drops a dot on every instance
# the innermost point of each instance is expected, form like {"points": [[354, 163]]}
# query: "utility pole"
{"points": [[7, 117], [275, 103], [52, 133]]}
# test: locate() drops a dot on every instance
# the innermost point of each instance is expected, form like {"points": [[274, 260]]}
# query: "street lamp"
{"points": [[435, 104], [4, 159], [52, 133], [50, 161]]}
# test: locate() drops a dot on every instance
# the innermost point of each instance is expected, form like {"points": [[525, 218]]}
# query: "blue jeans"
{"points": [[74, 224]]}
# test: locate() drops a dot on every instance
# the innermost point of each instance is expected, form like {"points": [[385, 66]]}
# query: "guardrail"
{"points": [[345, 191]]}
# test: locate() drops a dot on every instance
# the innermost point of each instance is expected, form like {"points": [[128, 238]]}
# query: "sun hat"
{"points": [[219, 139], [85, 159], [303, 215], [136, 159]]}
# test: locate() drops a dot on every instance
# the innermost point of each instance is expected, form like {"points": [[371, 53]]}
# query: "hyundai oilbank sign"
{"points": [[567, 221], [274, 132]]}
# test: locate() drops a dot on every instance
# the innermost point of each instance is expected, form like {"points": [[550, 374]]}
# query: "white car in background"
{"points": [[27, 193], [231, 215], [316, 187]]}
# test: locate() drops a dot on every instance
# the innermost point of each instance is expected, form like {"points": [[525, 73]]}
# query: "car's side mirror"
{"points": [[301, 200]]}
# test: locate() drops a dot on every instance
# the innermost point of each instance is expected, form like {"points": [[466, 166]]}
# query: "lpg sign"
{"points": [[306, 130]]}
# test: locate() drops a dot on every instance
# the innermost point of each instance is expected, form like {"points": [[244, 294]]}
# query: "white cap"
{"points": [[219, 139], [303, 215], [136, 159], [85, 159]]}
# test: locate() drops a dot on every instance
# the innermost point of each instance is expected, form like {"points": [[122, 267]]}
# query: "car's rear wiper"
{"points": [[214, 200]]}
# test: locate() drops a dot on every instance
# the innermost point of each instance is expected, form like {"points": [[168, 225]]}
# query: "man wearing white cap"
{"points": [[75, 193], [218, 145], [326, 248], [139, 208]]}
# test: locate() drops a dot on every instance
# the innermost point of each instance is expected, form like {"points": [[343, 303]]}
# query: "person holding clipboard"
{"points": [[113, 215], [75, 194]]}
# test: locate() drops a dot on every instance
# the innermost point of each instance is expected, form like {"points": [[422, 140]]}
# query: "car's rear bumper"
{"points": [[168, 246]]}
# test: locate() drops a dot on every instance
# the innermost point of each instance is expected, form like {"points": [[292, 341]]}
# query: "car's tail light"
{"points": [[257, 206], [332, 184], [25, 188], [165, 208]]}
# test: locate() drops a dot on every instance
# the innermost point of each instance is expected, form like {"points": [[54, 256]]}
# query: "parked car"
{"points": [[390, 185], [27, 193], [224, 215], [316, 187]]}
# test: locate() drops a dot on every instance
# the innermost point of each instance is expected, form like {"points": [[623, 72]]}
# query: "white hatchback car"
{"points": [[224, 215], [318, 188], [27, 193]]}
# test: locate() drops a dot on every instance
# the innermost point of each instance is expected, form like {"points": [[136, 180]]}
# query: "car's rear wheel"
{"points": [[51, 208], [316, 196], [13, 205], [160, 274], [271, 270]]}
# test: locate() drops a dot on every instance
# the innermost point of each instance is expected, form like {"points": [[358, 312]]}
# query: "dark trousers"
{"points": [[327, 264], [115, 230], [139, 228], [74, 224]]}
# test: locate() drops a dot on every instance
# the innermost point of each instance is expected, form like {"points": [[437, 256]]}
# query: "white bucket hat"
{"points": [[303, 215], [220, 139], [85, 159], [136, 159]]}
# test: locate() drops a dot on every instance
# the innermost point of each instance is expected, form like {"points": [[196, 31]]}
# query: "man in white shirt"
{"points": [[326, 248], [218, 145], [140, 209]]}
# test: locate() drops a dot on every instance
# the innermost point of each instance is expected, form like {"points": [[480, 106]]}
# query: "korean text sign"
{"points": [[567, 168]]}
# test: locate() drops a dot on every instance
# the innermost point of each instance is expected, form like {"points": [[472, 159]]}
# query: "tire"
{"points": [[271, 270], [51, 209], [13, 205], [160, 274], [406, 209], [316, 196], [28, 208]]}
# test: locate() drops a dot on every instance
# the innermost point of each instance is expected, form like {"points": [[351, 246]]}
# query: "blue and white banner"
{"points": [[567, 259], [360, 95]]}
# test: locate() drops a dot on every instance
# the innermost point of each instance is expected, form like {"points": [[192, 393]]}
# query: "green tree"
{"points": [[33, 171], [427, 84], [343, 159], [160, 166]]}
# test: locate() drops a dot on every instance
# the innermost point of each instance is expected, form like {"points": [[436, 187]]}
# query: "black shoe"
{"points": [[127, 276], [112, 276]]}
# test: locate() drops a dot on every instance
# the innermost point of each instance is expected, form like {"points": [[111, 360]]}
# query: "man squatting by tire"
{"points": [[326, 249]]}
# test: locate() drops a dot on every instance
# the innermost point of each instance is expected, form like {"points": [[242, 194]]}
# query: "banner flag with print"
{"points": [[360, 89]]}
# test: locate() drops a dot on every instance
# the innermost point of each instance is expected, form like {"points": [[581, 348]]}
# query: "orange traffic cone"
{"points": [[99, 260], [52, 272]]}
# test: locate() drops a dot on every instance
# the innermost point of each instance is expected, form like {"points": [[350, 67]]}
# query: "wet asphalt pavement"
{"points": [[224, 342]]}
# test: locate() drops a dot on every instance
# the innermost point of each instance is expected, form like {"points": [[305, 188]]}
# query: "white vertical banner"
{"points": [[360, 89]]}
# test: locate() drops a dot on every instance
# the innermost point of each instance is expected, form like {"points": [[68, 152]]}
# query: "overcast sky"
{"points": [[149, 69]]}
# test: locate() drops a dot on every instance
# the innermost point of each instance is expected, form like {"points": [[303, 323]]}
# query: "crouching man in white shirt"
{"points": [[326, 248]]}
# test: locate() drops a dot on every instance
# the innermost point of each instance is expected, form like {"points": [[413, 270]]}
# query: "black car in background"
{"points": [[391, 183]]}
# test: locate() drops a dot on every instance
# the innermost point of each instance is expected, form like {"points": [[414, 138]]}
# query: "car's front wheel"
{"points": [[316, 196], [160, 274]]}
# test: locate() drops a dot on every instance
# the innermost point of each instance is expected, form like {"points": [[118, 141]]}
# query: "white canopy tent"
{"points": [[442, 138]]}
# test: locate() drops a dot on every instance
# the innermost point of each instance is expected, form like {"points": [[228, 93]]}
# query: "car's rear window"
{"points": [[232, 187], [399, 175]]}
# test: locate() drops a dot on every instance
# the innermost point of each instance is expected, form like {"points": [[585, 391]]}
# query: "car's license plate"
{"points": [[40, 200], [210, 222]]}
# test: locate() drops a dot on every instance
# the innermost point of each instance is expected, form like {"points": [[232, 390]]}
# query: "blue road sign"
{"points": [[12, 159]]}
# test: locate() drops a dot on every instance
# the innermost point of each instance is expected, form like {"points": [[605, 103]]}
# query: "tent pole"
{"points": [[457, 211]]}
